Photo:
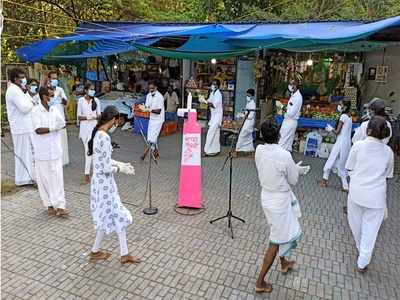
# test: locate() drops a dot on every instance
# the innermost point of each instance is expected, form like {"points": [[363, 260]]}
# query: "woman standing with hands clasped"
{"points": [[88, 111], [108, 213]]}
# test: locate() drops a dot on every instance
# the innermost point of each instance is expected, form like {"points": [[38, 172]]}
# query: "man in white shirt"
{"points": [[212, 146], [289, 124], [60, 101], [155, 105], [47, 123], [19, 113]]}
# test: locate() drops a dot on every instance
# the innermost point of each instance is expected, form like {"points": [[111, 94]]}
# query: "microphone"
{"points": [[256, 109]]}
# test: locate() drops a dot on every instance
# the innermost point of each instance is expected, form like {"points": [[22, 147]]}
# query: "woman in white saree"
{"points": [[276, 172]]}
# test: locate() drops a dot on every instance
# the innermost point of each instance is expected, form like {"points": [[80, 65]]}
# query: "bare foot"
{"points": [[323, 183], [129, 259], [287, 265], [62, 212], [51, 211], [99, 255], [264, 288]]}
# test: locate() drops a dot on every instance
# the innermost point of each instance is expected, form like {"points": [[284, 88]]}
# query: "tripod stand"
{"points": [[229, 214]]}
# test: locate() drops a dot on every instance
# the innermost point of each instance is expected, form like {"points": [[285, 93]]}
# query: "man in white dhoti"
{"points": [[375, 108], [19, 113], [60, 102], [245, 139], [276, 172], [47, 124], [370, 163], [108, 213], [212, 146], [293, 112], [340, 151], [155, 105], [88, 111]]}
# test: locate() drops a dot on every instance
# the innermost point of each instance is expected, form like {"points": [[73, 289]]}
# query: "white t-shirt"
{"points": [[59, 94], [85, 110], [276, 168], [370, 163], [216, 111], [19, 110], [345, 132], [361, 133], [294, 106], [46, 146], [156, 102]]}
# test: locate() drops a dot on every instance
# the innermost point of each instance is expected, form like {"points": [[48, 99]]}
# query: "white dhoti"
{"points": [[364, 224], [153, 131], [50, 180], [337, 159], [24, 162], [282, 212], [64, 145], [245, 139], [213, 145], [287, 133]]}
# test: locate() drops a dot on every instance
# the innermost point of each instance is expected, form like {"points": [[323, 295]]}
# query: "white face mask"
{"points": [[112, 129], [213, 87], [91, 93], [249, 98], [290, 88], [33, 89], [339, 108]]}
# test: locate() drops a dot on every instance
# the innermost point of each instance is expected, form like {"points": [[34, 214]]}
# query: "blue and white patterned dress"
{"points": [[108, 212]]}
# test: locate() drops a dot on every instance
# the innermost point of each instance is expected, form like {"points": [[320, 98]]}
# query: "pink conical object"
{"points": [[190, 194]]}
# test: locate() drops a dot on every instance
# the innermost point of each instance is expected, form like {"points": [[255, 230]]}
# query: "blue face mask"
{"points": [[54, 82], [33, 89], [24, 82]]}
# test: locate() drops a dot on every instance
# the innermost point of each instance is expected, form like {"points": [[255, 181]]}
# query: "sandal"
{"points": [[266, 289], [129, 259], [99, 255], [323, 184], [62, 212]]}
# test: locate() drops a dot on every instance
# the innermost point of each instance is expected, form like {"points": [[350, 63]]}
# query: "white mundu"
{"points": [[212, 145], [48, 156], [59, 94], [19, 113], [289, 124], [245, 140], [276, 172], [370, 163], [86, 126], [156, 120], [340, 151], [361, 133]]}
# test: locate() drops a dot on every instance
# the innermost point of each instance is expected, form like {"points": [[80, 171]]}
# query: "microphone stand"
{"points": [[148, 210], [229, 215]]}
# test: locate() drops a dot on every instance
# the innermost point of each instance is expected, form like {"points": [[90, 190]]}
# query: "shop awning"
{"points": [[203, 41]]}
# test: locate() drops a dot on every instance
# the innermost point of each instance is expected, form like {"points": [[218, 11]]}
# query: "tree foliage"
{"points": [[29, 20]]}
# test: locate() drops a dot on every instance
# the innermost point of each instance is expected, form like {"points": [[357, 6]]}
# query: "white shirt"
{"points": [[36, 99], [276, 168], [345, 132], [369, 163], [361, 133], [216, 111], [59, 94], [153, 103], [19, 110], [294, 106], [46, 146], [85, 110], [251, 105]]}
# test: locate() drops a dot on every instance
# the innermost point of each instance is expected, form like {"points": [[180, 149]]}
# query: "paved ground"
{"points": [[185, 256]]}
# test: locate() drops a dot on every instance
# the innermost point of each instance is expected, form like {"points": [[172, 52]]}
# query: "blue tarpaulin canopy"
{"points": [[204, 41]]}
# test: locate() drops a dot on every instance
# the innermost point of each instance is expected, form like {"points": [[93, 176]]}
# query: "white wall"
{"points": [[373, 89]]}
